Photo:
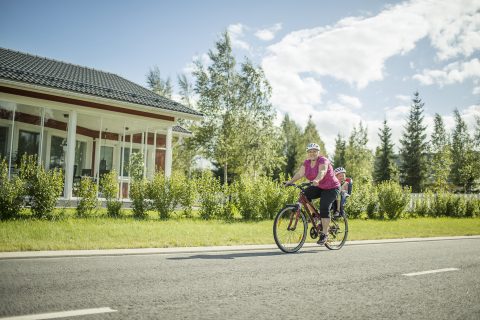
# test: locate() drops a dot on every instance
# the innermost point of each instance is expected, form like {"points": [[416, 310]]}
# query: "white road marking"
{"points": [[428, 271], [54, 315]]}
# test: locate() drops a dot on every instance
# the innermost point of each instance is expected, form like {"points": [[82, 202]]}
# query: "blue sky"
{"points": [[339, 61]]}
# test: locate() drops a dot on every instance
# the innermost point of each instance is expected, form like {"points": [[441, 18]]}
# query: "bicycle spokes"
{"points": [[290, 229]]}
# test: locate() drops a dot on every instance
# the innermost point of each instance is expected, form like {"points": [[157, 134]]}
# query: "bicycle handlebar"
{"points": [[300, 186]]}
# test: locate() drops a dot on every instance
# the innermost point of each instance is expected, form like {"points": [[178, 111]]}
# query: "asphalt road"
{"points": [[357, 282]]}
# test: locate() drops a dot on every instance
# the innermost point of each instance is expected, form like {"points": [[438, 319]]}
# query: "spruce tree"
{"points": [[358, 158], [292, 149], [414, 147], [441, 158], [463, 166], [340, 149], [384, 159]]}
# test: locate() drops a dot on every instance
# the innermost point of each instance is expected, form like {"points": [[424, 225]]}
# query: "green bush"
{"points": [[392, 199], [165, 193], [87, 192], [423, 205], [250, 198], [12, 193], [362, 200], [472, 208], [230, 202], [109, 187], [139, 196], [210, 196], [43, 187], [187, 193], [274, 197], [46, 189]]}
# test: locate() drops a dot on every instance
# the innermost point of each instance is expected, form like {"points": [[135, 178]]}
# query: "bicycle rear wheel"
{"points": [[290, 229], [337, 232]]}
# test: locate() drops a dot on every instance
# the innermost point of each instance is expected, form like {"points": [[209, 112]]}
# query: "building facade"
{"points": [[85, 121]]}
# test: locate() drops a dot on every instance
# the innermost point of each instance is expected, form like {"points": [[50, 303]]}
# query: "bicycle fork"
{"points": [[292, 225]]}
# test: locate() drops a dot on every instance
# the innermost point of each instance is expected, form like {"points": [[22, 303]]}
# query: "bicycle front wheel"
{"points": [[290, 229], [337, 232]]}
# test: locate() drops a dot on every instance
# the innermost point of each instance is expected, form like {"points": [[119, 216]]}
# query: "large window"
{"points": [[3, 142], [28, 142]]}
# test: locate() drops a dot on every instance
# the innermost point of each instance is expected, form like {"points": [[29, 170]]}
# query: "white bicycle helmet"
{"points": [[313, 146], [340, 170]]}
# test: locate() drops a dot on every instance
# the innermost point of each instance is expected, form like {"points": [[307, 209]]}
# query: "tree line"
{"points": [[237, 134]]}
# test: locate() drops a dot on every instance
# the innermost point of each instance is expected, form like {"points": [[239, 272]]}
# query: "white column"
{"points": [[97, 156], [11, 141], [42, 130], [168, 154], [122, 160], [71, 133], [154, 152]]}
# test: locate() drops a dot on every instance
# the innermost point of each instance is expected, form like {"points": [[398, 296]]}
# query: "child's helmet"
{"points": [[340, 170]]}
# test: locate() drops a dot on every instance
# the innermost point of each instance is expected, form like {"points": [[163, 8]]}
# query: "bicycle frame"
{"points": [[304, 202]]}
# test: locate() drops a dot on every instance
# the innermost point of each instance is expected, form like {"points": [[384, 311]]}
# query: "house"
{"points": [[83, 120]]}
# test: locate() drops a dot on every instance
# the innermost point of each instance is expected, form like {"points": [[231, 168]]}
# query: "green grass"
{"points": [[106, 233]]}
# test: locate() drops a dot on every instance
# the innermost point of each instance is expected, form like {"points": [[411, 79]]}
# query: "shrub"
{"points": [[230, 202], [250, 198], [109, 185], [43, 187], [472, 208], [87, 192], [187, 193], [46, 189], [361, 200], [274, 197], [423, 205], [165, 193], [393, 199], [209, 192], [11, 193], [138, 195], [438, 207]]}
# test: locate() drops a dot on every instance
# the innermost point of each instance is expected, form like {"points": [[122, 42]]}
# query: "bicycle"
{"points": [[291, 224]]}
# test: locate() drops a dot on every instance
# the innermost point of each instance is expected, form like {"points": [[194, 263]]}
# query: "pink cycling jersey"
{"points": [[329, 181]]}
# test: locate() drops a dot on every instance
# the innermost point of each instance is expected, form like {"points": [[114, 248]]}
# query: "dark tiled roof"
{"points": [[22, 67], [181, 130]]}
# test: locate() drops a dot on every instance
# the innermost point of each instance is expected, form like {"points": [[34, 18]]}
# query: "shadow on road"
{"points": [[238, 255]]}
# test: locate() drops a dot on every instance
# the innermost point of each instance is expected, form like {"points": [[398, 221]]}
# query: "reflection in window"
{"points": [[28, 142], [56, 152], [80, 156], [126, 159], [106, 159]]}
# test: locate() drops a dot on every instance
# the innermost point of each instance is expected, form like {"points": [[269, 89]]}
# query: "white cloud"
{"points": [[403, 97], [355, 49], [236, 32], [269, 33], [452, 73], [349, 100]]}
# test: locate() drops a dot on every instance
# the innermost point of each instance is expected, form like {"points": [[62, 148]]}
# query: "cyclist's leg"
{"points": [[328, 197]]}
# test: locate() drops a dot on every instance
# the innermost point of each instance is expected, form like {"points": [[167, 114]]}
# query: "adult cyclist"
{"points": [[325, 185]]}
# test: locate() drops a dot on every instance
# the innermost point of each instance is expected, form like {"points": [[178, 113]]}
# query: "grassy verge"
{"points": [[107, 233]]}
